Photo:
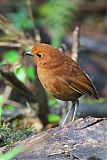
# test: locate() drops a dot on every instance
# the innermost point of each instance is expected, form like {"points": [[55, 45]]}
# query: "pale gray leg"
{"points": [[75, 107], [71, 112], [64, 120], [74, 112]]}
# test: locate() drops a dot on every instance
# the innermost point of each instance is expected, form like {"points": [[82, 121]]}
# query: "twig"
{"points": [[6, 93], [17, 36], [12, 80], [75, 43], [14, 103], [6, 26], [28, 2], [36, 31], [37, 36], [10, 44]]}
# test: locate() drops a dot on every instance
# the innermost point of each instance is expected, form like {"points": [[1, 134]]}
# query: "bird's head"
{"points": [[45, 55]]}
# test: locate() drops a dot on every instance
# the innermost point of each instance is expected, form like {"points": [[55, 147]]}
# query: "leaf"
{"points": [[30, 73], [21, 73], [52, 102], [53, 118], [11, 56], [20, 19], [57, 15], [1, 99], [12, 153], [8, 107]]}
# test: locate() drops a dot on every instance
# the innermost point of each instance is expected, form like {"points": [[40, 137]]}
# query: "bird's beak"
{"points": [[29, 53]]}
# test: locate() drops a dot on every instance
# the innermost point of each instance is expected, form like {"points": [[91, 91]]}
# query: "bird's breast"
{"points": [[56, 87]]}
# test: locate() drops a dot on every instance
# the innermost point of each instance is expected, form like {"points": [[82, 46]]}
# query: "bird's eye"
{"points": [[39, 55]]}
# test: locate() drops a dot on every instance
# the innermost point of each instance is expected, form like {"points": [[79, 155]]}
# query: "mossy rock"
{"points": [[9, 136]]}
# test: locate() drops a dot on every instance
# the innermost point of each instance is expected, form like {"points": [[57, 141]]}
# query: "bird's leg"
{"points": [[74, 112], [64, 120], [70, 114]]}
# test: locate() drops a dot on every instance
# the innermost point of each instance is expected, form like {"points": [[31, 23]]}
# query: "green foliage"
{"points": [[10, 136], [53, 118], [30, 73], [20, 19], [11, 56], [12, 153], [1, 110], [52, 101], [57, 15], [1, 101], [21, 73], [8, 107]]}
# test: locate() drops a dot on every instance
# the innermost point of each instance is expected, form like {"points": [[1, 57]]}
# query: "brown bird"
{"points": [[61, 76]]}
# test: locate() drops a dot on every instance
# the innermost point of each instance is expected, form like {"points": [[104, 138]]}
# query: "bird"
{"points": [[61, 76]]}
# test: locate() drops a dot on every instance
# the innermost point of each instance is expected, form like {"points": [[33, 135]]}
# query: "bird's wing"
{"points": [[78, 80]]}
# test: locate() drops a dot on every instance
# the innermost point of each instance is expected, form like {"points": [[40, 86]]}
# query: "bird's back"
{"points": [[76, 78]]}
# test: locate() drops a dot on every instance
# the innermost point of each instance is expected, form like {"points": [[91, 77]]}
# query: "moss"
{"points": [[9, 136]]}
